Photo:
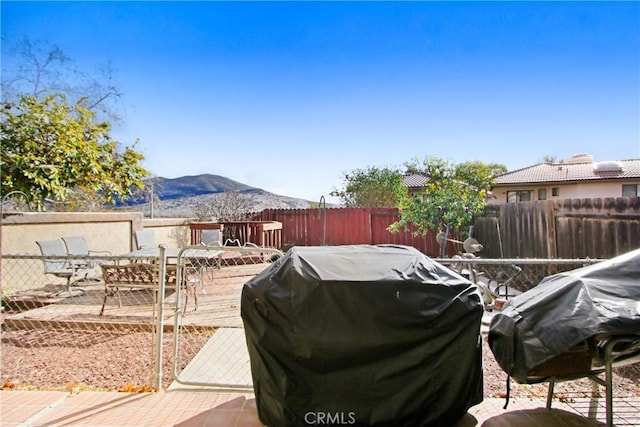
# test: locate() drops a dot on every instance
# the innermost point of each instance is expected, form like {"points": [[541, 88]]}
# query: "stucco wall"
{"points": [[567, 191], [170, 231], [112, 232], [102, 231], [599, 189]]}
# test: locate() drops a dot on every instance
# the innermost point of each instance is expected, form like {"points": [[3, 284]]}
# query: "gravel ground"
{"points": [[87, 360], [96, 360], [626, 382]]}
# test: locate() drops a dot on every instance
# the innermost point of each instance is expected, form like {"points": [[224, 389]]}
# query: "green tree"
{"points": [[452, 195], [479, 174], [373, 186], [551, 159], [51, 150]]}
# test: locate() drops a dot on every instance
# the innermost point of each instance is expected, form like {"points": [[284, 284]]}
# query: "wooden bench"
{"points": [[143, 276]]}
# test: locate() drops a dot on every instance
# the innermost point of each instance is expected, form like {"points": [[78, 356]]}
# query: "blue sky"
{"points": [[286, 96]]}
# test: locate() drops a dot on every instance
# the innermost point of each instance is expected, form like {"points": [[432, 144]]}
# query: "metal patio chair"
{"points": [[212, 237], [145, 239], [77, 246], [59, 265]]}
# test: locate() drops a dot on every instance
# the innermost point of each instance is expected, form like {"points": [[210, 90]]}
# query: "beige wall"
{"points": [[567, 191], [599, 189], [173, 232], [112, 232], [103, 231]]}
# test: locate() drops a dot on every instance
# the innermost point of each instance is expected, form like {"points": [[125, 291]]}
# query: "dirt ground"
{"points": [[626, 382], [87, 360], [98, 360]]}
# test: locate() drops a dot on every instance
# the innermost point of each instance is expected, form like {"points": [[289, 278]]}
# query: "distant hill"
{"points": [[179, 196], [187, 186]]}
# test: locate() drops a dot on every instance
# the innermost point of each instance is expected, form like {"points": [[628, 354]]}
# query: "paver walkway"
{"points": [[223, 361], [213, 408]]}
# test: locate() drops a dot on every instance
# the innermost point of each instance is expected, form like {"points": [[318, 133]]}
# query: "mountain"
{"points": [[179, 197], [187, 186]]}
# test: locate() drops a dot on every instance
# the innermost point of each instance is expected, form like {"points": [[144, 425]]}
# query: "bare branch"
{"points": [[45, 69]]}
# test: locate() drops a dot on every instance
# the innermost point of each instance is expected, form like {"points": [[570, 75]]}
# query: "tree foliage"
{"points": [[452, 195], [551, 159], [52, 150], [373, 186]]}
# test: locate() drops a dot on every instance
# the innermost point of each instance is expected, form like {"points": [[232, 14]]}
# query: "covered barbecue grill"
{"points": [[362, 335], [574, 324]]}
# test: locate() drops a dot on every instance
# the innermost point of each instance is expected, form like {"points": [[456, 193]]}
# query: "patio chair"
{"points": [[212, 237], [145, 239], [59, 266], [77, 246]]}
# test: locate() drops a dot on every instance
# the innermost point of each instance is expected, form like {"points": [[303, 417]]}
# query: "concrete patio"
{"points": [[228, 409]]}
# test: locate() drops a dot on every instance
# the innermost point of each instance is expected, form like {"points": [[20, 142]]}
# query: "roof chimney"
{"points": [[581, 158]]}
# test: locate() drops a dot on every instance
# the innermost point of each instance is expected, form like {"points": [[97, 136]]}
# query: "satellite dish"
{"points": [[441, 237], [471, 245]]}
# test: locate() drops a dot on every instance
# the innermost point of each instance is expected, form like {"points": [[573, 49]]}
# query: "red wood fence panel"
{"points": [[295, 224], [382, 218], [346, 226]]}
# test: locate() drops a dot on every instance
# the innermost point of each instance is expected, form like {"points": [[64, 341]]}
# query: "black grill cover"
{"points": [[563, 311], [362, 335]]}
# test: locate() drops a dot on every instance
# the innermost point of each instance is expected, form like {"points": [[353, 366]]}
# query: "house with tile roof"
{"points": [[414, 182], [578, 177]]}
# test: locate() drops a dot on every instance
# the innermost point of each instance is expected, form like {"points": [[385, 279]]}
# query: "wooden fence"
{"points": [[570, 228], [344, 226]]}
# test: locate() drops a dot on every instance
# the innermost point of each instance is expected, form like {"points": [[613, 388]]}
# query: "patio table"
{"points": [[173, 253], [191, 255]]}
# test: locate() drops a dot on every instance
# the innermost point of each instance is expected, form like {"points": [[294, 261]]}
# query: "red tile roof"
{"points": [[413, 180], [571, 172]]}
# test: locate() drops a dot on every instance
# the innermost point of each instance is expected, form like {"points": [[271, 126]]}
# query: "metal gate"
{"points": [[209, 346]]}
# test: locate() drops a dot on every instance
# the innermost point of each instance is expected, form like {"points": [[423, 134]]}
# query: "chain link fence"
{"points": [[105, 327], [223, 362], [55, 336], [83, 334], [509, 277]]}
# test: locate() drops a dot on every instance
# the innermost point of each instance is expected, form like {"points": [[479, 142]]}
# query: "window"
{"points": [[630, 190], [518, 196], [542, 194], [555, 192]]}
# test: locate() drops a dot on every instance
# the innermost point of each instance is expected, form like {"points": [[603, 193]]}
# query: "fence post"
{"points": [[156, 379]]}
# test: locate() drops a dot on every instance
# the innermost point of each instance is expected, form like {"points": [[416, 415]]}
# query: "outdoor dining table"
{"points": [[172, 253], [192, 256]]}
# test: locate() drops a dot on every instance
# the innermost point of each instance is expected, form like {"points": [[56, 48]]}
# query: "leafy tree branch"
{"points": [[372, 187], [451, 196], [50, 149]]}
